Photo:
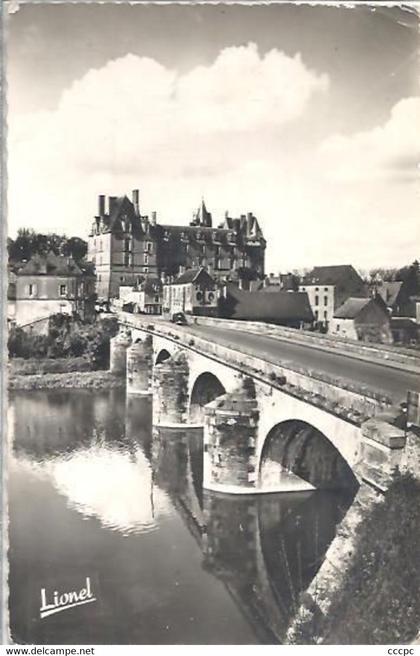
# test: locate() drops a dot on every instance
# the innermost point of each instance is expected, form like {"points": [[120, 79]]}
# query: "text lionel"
{"points": [[65, 600]]}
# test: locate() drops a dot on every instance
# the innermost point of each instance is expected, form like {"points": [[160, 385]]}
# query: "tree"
{"points": [[410, 275], [28, 243]]}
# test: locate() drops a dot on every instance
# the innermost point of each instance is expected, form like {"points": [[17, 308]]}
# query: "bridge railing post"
{"points": [[382, 451]]}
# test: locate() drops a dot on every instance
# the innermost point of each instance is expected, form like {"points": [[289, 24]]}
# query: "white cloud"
{"points": [[389, 151], [232, 131]]}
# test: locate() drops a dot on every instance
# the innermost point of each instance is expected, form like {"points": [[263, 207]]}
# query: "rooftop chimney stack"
{"points": [[136, 201], [111, 203], [101, 205], [153, 219]]}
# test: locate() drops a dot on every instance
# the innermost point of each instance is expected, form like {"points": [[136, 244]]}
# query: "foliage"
{"points": [[380, 602], [27, 344], [67, 337], [28, 242]]}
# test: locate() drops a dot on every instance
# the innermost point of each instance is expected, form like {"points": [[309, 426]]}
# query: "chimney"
{"points": [[153, 219], [249, 221], [136, 197], [101, 205], [111, 203]]}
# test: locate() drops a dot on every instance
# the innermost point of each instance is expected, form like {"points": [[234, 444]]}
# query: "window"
{"points": [[316, 299], [126, 259], [146, 269], [99, 277], [337, 327], [100, 244], [325, 314], [156, 299], [32, 289], [316, 315], [317, 289], [304, 289], [63, 290], [122, 279], [149, 247], [146, 259], [325, 289], [325, 300], [127, 244]]}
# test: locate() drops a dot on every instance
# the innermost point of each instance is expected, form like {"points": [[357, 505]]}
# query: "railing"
{"points": [[352, 401]]}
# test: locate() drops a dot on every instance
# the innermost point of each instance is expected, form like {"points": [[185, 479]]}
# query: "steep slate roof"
{"points": [[50, 265], [193, 275], [330, 275], [352, 307], [262, 306], [389, 291]]}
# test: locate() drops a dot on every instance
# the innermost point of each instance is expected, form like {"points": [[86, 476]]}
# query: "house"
{"points": [[146, 297], [192, 292], [126, 245], [287, 282], [365, 319], [328, 287], [393, 295], [50, 284], [150, 296], [282, 308], [405, 330]]}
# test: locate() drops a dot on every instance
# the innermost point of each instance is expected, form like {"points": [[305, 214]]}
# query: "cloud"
{"points": [[243, 132], [389, 151]]}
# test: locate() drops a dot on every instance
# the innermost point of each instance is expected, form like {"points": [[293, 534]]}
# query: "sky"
{"points": [[308, 116]]}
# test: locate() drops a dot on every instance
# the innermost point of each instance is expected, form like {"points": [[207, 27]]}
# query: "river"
{"points": [[95, 491]]}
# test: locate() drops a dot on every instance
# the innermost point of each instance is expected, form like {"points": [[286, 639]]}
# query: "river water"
{"points": [[95, 492]]}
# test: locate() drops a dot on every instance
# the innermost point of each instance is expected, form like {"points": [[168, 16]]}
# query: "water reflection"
{"points": [[94, 491]]}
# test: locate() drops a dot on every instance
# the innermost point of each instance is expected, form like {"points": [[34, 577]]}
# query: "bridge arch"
{"points": [[294, 450], [162, 355], [206, 388]]}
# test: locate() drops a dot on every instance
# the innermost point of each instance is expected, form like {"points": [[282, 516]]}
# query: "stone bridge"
{"points": [[267, 427]]}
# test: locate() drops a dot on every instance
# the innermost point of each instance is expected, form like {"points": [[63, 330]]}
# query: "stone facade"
{"points": [[52, 284], [127, 246]]}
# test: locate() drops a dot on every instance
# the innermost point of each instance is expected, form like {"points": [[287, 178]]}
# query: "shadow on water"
{"points": [[96, 492]]}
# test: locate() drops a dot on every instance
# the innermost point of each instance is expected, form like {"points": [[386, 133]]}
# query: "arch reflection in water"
{"points": [[98, 493], [267, 550]]}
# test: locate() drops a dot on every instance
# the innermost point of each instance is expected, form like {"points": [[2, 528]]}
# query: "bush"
{"points": [[26, 344], [67, 337], [379, 602]]}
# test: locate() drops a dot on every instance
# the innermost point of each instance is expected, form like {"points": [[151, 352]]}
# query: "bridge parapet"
{"points": [[353, 402]]}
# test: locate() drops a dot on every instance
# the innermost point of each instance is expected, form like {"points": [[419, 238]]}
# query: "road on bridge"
{"points": [[381, 377]]}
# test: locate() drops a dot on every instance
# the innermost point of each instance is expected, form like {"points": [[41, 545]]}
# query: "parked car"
{"points": [[179, 318]]}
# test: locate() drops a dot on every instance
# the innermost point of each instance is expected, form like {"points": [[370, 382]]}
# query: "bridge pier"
{"points": [[139, 366], [230, 436], [118, 353], [170, 392]]}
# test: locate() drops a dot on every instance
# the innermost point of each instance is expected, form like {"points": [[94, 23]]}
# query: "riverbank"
{"points": [[69, 380]]}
